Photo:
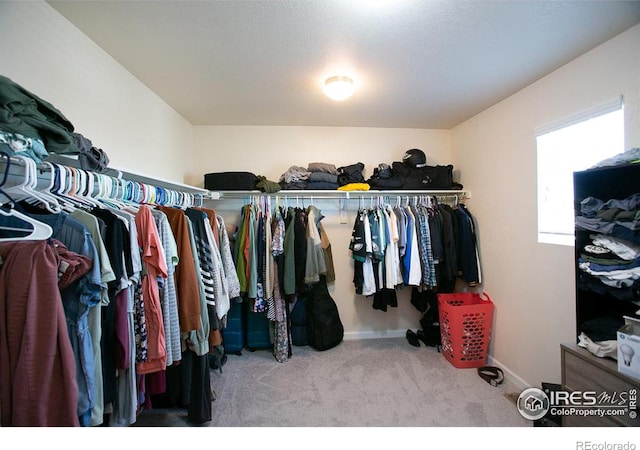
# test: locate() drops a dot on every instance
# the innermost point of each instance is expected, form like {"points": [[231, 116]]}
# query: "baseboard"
{"points": [[508, 373], [355, 335]]}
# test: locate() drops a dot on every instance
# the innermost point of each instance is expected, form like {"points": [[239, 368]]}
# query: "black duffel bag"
{"points": [[324, 327], [426, 177], [230, 181]]}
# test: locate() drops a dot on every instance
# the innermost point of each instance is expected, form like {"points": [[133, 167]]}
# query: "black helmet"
{"points": [[414, 158]]}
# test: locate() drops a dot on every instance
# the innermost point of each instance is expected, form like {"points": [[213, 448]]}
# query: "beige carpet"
{"points": [[360, 383]]}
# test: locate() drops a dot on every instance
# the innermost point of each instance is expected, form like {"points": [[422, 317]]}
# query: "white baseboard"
{"points": [[355, 335], [508, 373]]}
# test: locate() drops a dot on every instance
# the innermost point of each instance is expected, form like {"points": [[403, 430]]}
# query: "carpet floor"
{"points": [[359, 383]]}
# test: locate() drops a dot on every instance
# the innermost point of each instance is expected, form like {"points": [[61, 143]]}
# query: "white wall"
{"points": [[270, 151], [532, 284], [45, 54]]}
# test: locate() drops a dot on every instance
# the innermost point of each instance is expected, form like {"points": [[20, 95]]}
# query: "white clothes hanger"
{"points": [[65, 186], [27, 189], [84, 187], [105, 186], [36, 230], [46, 190]]}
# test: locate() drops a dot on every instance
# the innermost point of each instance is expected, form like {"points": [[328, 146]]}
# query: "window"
{"points": [[574, 145]]}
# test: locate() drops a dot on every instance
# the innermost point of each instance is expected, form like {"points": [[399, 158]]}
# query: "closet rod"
{"points": [[116, 172], [15, 175], [330, 195]]}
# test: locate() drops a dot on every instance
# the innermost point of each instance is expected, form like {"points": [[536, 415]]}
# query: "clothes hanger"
{"points": [[185, 201], [47, 190], [200, 198], [94, 187], [159, 198], [58, 180], [106, 187], [27, 190], [78, 187], [190, 200], [65, 187], [34, 230], [151, 195], [118, 191], [84, 188], [134, 196]]}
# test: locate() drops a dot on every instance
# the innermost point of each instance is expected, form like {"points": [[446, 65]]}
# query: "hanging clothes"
{"points": [[227, 260], [35, 390], [314, 256], [155, 267], [131, 329], [187, 383], [220, 288], [77, 298], [422, 244], [120, 266], [167, 289], [278, 311], [95, 314], [117, 243], [278, 255], [289, 254], [185, 275], [468, 258]]}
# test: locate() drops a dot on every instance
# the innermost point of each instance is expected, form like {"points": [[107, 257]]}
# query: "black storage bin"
{"points": [[230, 181]]}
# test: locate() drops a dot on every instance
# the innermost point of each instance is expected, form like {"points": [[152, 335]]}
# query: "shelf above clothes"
{"points": [[338, 194]]}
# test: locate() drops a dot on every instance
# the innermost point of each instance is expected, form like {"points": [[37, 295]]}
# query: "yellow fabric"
{"points": [[354, 187]]}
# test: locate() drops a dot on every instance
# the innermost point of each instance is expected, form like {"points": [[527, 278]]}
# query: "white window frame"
{"points": [[555, 174]]}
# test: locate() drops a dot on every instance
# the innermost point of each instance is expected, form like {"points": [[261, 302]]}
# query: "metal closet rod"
{"points": [[110, 172], [340, 195], [131, 175]]}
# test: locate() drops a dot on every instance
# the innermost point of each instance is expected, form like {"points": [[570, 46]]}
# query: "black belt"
{"points": [[492, 375]]}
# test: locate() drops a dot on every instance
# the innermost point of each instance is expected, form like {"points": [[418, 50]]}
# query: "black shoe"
{"points": [[412, 338], [432, 340]]}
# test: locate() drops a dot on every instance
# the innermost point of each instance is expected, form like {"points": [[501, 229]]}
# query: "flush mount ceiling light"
{"points": [[339, 87]]}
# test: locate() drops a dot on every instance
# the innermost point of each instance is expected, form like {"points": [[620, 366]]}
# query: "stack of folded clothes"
{"points": [[295, 178], [322, 176], [610, 262]]}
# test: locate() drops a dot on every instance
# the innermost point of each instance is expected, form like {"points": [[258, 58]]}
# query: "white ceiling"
{"points": [[418, 64]]}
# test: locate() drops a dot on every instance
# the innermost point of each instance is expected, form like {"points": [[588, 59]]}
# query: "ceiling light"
{"points": [[339, 87]]}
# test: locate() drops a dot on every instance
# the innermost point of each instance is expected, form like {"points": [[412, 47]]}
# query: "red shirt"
{"points": [[37, 366]]}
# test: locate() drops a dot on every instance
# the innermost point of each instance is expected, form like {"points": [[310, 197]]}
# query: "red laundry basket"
{"points": [[465, 328]]}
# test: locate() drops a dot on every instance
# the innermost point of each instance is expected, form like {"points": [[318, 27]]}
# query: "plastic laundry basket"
{"points": [[465, 327]]}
